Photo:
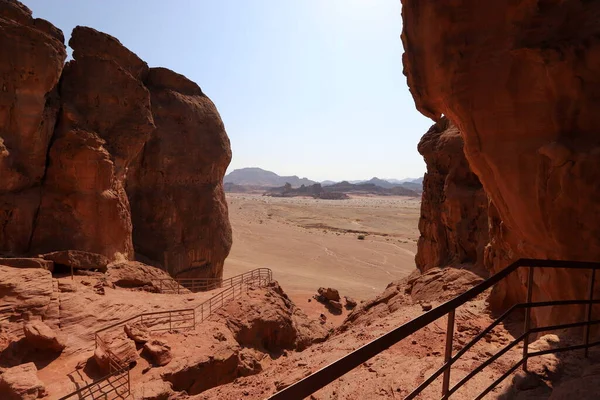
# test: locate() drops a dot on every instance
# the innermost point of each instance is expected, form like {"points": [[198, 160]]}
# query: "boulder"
{"points": [[161, 192], [28, 263], [454, 206], [159, 352], [153, 390], [137, 332], [217, 359], [41, 336], [116, 348], [77, 259], [525, 102], [350, 302], [21, 383], [28, 110], [329, 294], [133, 274], [267, 319], [335, 305]]}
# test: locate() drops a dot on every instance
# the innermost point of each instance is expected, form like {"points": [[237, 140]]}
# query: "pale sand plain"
{"points": [[309, 243]]}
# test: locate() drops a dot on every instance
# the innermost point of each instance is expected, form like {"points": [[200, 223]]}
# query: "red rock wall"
{"points": [[105, 119], [28, 109], [520, 81], [179, 209], [454, 221], [68, 149]]}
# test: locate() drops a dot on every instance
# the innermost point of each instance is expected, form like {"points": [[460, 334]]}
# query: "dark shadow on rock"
{"points": [[20, 352]]}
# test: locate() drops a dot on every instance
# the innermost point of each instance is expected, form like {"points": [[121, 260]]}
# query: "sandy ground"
{"points": [[310, 243]]}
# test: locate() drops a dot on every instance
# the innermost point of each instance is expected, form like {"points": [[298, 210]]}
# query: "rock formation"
{"points": [[519, 80], [454, 221], [105, 120], [68, 150], [28, 110], [21, 383], [176, 189]]}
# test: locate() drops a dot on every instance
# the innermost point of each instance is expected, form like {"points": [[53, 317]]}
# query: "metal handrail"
{"points": [[319, 379], [205, 284], [98, 382]]}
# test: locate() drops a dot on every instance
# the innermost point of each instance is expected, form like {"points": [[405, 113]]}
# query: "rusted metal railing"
{"points": [[258, 277], [105, 388], [179, 285], [333, 371], [116, 385]]}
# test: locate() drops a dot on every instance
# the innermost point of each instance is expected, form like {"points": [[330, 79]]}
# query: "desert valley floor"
{"points": [[310, 243]]}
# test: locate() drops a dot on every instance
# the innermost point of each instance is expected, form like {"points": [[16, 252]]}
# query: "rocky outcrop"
{"points": [[454, 221], [159, 352], [519, 80], [76, 259], [105, 120], [24, 291], [216, 360], [21, 383], [178, 208], [28, 110], [40, 336], [68, 149], [133, 274], [266, 319]]}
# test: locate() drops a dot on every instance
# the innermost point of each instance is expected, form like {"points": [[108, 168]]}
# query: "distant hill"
{"points": [[261, 177], [381, 182], [339, 191]]}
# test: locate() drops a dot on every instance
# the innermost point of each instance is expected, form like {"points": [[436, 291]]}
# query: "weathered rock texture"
{"points": [[33, 55], [104, 121], [176, 189], [454, 220], [520, 81], [69, 148]]}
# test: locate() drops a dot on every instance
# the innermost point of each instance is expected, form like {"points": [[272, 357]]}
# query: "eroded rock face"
{"points": [[28, 109], [104, 122], [454, 221], [41, 336], [21, 383], [520, 81], [176, 187], [268, 320], [66, 151]]}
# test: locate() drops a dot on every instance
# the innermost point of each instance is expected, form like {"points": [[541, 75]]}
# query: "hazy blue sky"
{"points": [[307, 87]]}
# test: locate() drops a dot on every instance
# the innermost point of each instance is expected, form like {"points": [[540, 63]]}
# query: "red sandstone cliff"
{"points": [[178, 204], [519, 80], [68, 148], [454, 220], [28, 109], [105, 120]]}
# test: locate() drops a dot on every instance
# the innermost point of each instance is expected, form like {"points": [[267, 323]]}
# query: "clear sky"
{"points": [[305, 87]]}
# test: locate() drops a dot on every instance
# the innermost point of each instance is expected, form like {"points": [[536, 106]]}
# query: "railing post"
{"points": [[586, 330], [527, 317], [448, 353]]}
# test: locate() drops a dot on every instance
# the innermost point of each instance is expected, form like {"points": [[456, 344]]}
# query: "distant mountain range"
{"points": [[258, 177], [339, 191], [261, 177]]}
